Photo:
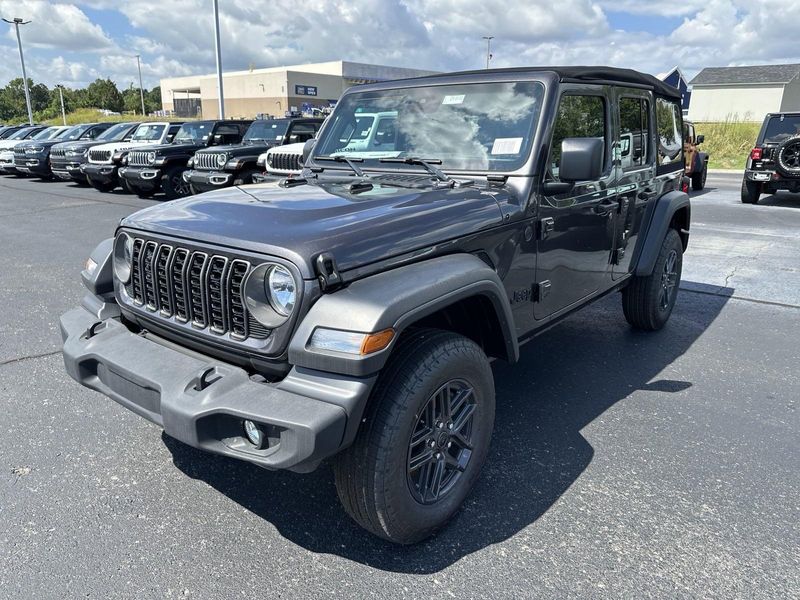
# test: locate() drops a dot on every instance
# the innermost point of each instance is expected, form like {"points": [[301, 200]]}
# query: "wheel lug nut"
{"points": [[449, 444], [438, 455], [450, 426], [432, 443]]}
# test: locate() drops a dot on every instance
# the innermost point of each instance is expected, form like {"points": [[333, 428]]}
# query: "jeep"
{"points": [[223, 166], [33, 156], [102, 167], [351, 313], [161, 167], [17, 136], [280, 162], [66, 158], [696, 162], [774, 162]]}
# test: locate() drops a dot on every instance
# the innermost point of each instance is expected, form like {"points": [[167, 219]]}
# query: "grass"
{"points": [[92, 115], [728, 143]]}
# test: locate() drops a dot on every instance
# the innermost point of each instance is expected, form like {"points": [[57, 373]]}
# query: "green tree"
{"points": [[103, 94], [131, 100], [12, 99], [152, 99]]}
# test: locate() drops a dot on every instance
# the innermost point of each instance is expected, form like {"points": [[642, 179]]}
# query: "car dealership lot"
{"points": [[623, 463]]}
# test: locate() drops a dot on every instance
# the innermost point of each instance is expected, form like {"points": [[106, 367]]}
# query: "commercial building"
{"points": [[744, 93], [273, 91]]}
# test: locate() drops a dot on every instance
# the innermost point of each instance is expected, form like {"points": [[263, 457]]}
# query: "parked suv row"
{"points": [[774, 161]]}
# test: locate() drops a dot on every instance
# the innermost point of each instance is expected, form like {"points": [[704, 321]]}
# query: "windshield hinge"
{"points": [[327, 272], [497, 179]]}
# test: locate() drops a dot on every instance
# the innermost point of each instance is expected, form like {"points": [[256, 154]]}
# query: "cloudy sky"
{"points": [[75, 42]]}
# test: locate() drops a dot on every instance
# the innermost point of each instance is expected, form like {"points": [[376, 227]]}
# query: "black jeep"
{"points": [[223, 166], [149, 170], [351, 313], [774, 162], [33, 157], [66, 158]]}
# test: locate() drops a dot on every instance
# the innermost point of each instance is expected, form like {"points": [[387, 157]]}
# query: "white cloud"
{"points": [[55, 25]]}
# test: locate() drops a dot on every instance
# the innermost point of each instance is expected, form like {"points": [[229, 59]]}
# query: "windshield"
{"points": [[73, 133], [7, 133], [266, 131], [480, 126], [194, 133], [47, 134], [21, 134], [780, 128], [114, 132], [148, 133]]}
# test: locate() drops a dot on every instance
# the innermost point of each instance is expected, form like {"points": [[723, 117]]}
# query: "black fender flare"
{"points": [[398, 298], [664, 210]]}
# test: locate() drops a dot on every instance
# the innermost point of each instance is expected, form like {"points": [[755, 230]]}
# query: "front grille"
{"points": [[193, 287], [57, 152], [137, 158], [99, 156], [206, 161], [284, 161], [19, 156]]}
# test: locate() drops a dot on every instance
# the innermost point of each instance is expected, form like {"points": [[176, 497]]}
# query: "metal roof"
{"points": [[747, 75]]}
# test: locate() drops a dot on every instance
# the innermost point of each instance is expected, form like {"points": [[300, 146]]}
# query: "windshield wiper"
{"points": [[344, 159], [425, 163]]}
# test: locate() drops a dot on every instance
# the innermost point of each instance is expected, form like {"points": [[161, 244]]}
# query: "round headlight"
{"points": [[281, 290], [269, 159], [222, 159], [123, 257], [151, 158]]}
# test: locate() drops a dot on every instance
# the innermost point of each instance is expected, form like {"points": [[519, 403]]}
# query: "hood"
{"points": [[8, 144], [76, 145], [116, 146], [172, 149], [289, 149], [299, 223], [237, 149]]}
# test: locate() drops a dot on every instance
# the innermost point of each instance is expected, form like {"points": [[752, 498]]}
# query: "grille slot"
{"points": [[206, 161], [99, 156], [285, 161], [57, 152], [137, 158], [193, 287]]}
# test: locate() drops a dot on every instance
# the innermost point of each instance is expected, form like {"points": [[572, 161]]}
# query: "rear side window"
{"points": [[781, 127], [578, 116], [634, 132], [669, 123]]}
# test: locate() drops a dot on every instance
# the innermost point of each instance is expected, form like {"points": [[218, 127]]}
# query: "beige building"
{"points": [[744, 93], [272, 91]]}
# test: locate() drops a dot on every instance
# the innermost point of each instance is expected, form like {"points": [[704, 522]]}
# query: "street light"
{"points": [[141, 89], [16, 23], [219, 60], [488, 39]]}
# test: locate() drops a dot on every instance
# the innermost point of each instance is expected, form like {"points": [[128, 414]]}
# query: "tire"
{"points": [[374, 479], [101, 186], [246, 178], [141, 192], [751, 191], [787, 156], [173, 185], [699, 179], [647, 302]]}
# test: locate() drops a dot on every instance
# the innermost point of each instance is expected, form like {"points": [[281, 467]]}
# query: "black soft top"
{"points": [[587, 75]]}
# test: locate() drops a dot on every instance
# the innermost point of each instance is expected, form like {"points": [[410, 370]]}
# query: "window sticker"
{"points": [[507, 145], [454, 99]]}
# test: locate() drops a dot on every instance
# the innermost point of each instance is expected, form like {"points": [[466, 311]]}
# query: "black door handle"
{"points": [[606, 207], [646, 194]]}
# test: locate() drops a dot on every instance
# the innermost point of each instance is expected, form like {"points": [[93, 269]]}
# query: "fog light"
{"points": [[253, 432]]}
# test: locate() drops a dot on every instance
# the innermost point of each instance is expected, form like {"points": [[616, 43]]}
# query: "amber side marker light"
{"points": [[375, 342]]}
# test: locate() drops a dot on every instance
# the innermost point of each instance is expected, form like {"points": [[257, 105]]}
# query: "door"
{"points": [[575, 229], [636, 172]]}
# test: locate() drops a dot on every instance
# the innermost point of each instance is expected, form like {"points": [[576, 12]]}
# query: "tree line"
{"points": [[45, 102]]}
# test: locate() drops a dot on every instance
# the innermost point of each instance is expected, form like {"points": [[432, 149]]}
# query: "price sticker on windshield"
{"points": [[455, 99], [507, 145]]}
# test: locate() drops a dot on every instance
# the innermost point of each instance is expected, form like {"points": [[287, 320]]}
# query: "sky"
{"points": [[74, 43]]}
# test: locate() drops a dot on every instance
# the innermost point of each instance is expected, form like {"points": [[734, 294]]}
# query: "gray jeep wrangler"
{"points": [[351, 313]]}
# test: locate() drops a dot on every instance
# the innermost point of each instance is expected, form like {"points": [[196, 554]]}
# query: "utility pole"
{"points": [[219, 60], [61, 95], [16, 23], [488, 39], [141, 89]]}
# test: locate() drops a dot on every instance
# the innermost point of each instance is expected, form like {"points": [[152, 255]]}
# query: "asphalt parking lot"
{"points": [[623, 464]]}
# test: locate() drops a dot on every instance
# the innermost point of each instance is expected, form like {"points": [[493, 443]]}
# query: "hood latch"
{"points": [[327, 272]]}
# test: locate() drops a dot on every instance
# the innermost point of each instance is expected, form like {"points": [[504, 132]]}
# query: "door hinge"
{"points": [[541, 290], [544, 228], [327, 272]]}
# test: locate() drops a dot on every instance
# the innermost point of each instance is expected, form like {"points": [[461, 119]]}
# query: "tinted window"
{"points": [[633, 134], [268, 130], [578, 116], [669, 123], [302, 132], [780, 128], [115, 132]]}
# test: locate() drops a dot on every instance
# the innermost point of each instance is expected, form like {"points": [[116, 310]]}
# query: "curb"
{"points": [[723, 171]]}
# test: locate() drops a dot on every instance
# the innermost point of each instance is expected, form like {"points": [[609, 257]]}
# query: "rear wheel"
{"points": [[173, 184], [648, 301], [699, 179], [751, 190], [424, 438]]}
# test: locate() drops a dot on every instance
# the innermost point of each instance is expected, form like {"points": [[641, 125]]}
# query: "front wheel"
{"points": [[751, 191], [173, 184], [648, 301], [699, 179], [424, 438], [246, 177], [101, 186]]}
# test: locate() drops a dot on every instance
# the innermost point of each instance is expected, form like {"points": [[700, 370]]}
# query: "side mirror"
{"points": [[217, 139], [581, 159], [699, 139], [169, 138], [307, 148]]}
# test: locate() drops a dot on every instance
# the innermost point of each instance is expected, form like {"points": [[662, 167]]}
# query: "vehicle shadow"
{"points": [[697, 194], [781, 198], [565, 379]]}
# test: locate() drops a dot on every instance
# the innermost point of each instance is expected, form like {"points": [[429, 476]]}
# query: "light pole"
{"points": [[219, 60], [488, 39], [63, 112], [16, 23], [141, 89]]}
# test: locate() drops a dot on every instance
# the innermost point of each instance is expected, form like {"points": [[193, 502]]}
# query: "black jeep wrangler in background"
{"points": [[351, 313], [774, 162], [223, 166], [155, 168]]}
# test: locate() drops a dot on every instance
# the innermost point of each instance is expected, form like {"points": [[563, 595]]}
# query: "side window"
{"points": [[173, 129], [385, 132], [226, 133], [302, 132], [669, 124], [578, 116], [634, 132]]}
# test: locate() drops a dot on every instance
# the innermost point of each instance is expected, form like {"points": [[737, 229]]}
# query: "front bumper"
{"points": [[33, 165], [67, 169], [105, 173], [7, 163], [147, 178], [307, 417], [207, 180]]}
